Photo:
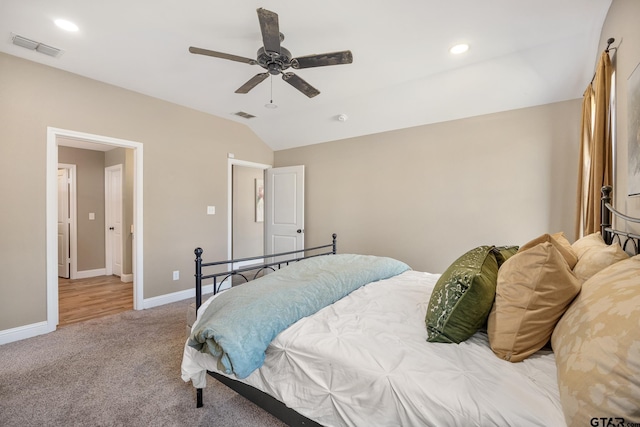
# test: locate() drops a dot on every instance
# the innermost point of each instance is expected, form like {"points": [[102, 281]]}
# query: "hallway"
{"points": [[84, 299]]}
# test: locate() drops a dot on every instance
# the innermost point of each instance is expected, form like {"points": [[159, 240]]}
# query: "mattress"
{"points": [[365, 360]]}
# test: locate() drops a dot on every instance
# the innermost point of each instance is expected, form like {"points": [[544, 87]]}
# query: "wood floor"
{"points": [[84, 299]]}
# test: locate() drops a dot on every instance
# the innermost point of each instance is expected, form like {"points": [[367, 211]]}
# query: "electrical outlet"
{"points": [[176, 275]]}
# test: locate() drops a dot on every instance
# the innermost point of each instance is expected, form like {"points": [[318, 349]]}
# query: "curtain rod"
{"points": [[609, 42]]}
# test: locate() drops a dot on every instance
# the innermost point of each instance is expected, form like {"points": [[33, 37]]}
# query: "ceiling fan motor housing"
{"points": [[274, 62]]}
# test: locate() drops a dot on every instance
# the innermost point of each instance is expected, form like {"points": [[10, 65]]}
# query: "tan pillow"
{"points": [[559, 242], [585, 243], [562, 239], [598, 258], [597, 348], [534, 289], [594, 255]]}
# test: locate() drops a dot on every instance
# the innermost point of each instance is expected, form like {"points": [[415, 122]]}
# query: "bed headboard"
{"points": [[630, 242]]}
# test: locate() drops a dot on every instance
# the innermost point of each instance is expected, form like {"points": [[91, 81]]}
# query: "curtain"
{"points": [[596, 163]]}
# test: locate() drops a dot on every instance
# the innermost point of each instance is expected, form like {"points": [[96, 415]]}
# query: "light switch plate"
{"points": [[92, 216], [211, 210]]}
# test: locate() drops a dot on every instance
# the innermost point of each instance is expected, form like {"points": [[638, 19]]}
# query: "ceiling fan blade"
{"points": [[321, 60], [270, 30], [228, 56], [253, 82], [300, 84]]}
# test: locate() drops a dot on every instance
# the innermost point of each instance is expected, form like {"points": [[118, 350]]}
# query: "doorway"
{"points": [[282, 225], [244, 211], [248, 212], [98, 256], [61, 137]]}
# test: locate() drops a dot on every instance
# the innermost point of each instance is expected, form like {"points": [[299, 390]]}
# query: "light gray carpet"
{"points": [[120, 370]]}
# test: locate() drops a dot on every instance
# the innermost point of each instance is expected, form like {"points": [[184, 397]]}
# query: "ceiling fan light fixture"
{"points": [[459, 48], [270, 105]]}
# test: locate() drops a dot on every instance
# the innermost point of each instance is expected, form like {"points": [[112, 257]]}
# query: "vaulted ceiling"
{"points": [[521, 54]]}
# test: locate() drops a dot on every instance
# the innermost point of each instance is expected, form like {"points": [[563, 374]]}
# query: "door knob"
{"points": [[298, 231], [111, 228]]}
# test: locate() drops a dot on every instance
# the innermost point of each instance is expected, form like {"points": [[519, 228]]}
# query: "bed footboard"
{"points": [[269, 262]]}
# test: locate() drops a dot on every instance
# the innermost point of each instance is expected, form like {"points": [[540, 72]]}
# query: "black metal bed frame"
{"points": [[265, 401], [279, 409], [609, 234]]}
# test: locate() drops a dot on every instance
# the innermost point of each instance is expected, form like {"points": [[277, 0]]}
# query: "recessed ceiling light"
{"points": [[66, 25], [459, 48]]}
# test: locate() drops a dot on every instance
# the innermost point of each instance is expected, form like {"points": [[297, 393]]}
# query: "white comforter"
{"points": [[365, 361]]}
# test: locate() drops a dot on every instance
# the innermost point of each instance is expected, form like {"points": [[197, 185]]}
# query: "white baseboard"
{"points": [[181, 295], [40, 328], [91, 273], [174, 297], [24, 332], [126, 278]]}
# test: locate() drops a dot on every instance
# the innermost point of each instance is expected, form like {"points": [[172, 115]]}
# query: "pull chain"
{"points": [[271, 105]]}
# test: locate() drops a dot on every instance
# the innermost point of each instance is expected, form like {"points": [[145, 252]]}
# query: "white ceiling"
{"points": [[522, 53]]}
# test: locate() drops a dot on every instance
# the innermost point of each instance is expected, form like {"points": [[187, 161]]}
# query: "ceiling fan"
{"points": [[276, 59]]}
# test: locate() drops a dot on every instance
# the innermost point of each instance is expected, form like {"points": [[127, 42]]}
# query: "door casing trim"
{"points": [[52, 211]]}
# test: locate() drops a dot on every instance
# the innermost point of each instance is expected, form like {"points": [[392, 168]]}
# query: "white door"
{"points": [[284, 209], [113, 219], [63, 223]]}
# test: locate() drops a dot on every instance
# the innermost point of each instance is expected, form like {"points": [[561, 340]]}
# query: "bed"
{"points": [[395, 346]]}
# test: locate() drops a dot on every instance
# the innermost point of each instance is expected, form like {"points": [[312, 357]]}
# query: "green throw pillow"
{"points": [[503, 253], [463, 296]]}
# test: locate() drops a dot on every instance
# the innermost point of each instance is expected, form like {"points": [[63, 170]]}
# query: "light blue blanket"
{"points": [[241, 322]]}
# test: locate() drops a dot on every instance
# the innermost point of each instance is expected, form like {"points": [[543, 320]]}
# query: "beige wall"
{"points": [[185, 169], [423, 194], [427, 194], [622, 24]]}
